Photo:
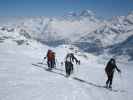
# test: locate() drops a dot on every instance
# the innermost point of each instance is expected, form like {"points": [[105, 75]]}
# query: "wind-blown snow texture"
{"points": [[23, 46]]}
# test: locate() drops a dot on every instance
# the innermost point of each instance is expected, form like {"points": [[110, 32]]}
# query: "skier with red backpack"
{"points": [[50, 59]]}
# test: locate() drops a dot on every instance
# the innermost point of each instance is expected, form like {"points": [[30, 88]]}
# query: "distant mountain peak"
{"points": [[131, 13], [84, 13], [72, 14], [87, 13]]}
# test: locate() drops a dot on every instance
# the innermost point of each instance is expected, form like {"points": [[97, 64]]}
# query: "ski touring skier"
{"points": [[69, 63], [109, 69], [50, 59], [53, 60]]}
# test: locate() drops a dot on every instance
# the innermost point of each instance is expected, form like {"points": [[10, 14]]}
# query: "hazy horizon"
{"points": [[52, 8]]}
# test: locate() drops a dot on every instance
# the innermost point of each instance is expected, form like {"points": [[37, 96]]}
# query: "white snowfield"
{"points": [[22, 77]]}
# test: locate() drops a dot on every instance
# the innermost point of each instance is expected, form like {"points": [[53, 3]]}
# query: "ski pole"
{"points": [[56, 62], [43, 59], [77, 69]]}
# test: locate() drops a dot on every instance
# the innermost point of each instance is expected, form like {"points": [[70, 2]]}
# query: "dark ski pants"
{"points": [[68, 67], [53, 63], [49, 64], [109, 81]]}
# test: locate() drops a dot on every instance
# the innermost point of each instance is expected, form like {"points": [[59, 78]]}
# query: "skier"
{"points": [[69, 63], [68, 67], [109, 69], [53, 60], [72, 58], [49, 59]]}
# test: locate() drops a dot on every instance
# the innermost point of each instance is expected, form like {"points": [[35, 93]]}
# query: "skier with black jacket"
{"points": [[109, 69], [69, 63]]}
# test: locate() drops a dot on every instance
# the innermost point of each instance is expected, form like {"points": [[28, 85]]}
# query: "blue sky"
{"points": [[103, 8]]}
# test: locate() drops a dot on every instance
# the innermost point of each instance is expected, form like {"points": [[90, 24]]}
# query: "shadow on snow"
{"points": [[46, 69], [76, 78], [96, 85]]}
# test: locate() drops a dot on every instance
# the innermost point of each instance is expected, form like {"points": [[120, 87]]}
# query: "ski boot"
{"points": [[110, 87]]}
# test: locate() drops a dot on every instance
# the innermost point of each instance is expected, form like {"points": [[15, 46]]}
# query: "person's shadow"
{"points": [[40, 63], [46, 69], [89, 83], [96, 85], [76, 78]]}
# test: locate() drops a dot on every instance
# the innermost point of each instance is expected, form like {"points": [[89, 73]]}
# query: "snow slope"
{"points": [[23, 78]]}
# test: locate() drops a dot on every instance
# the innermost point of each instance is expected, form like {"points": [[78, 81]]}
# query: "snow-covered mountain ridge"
{"points": [[83, 29]]}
